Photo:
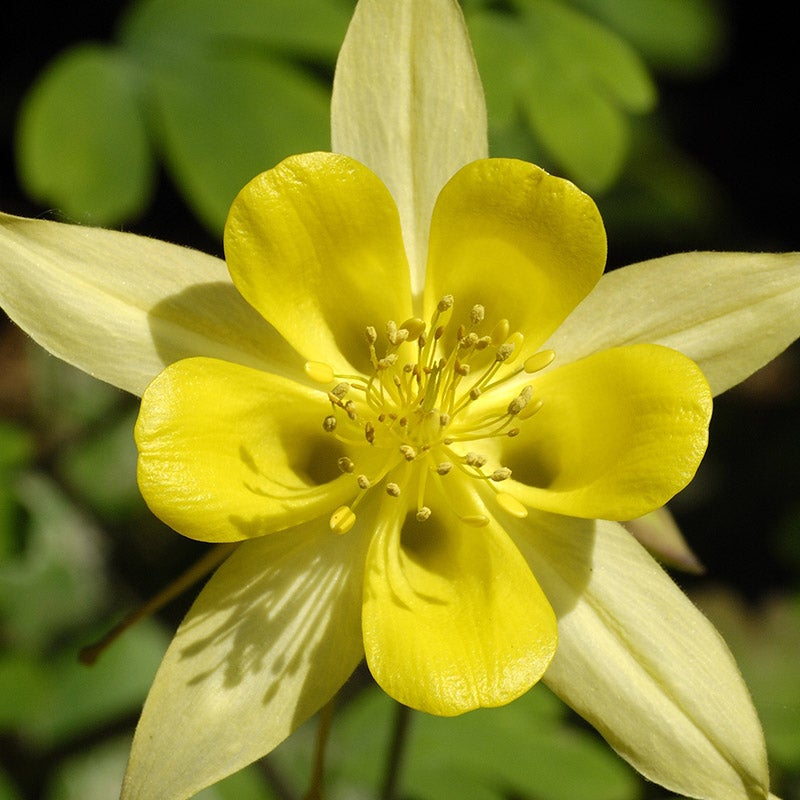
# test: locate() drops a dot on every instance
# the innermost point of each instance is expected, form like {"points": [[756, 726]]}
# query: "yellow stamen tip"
{"points": [[539, 360], [319, 372], [475, 520], [342, 520]]}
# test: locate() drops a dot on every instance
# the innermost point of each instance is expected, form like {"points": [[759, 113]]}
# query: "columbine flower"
{"points": [[427, 443], [416, 471]]}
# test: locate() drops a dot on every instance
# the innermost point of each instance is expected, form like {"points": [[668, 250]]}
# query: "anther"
{"points": [[340, 390], [445, 303], [389, 360], [475, 393], [369, 432], [504, 351], [329, 424], [444, 468], [371, 334], [444, 420], [319, 372], [474, 460], [500, 474], [363, 482], [346, 464], [477, 314], [520, 401], [516, 341], [342, 520], [393, 490], [423, 513], [409, 453]]}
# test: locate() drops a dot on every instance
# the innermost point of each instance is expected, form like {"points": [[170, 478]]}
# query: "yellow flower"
{"points": [[426, 441], [449, 571]]}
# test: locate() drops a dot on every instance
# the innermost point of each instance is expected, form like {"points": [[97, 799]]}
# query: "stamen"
{"points": [[500, 474], [409, 453], [520, 401], [445, 303], [423, 513], [477, 314], [444, 468], [340, 390], [474, 460], [363, 482], [392, 489]]}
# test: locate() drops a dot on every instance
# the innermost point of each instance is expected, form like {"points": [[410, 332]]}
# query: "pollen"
{"points": [[441, 396]]}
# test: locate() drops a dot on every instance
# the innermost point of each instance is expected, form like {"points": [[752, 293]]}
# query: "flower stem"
{"points": [[315, 790], [212, 558], [396, 751]]}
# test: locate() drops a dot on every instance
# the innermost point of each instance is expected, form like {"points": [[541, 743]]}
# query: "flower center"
{"points": [[431, 409]]}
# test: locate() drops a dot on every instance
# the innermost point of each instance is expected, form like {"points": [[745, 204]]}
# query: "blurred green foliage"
{"points": [[215, 92], [220, 92]]}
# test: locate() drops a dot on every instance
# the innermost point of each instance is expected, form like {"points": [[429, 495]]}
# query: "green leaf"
{"points": [[524, 748], [310, 28], [685, 36], [93, 774], [765, 642], [82, 141], [225, 116], [57, 581], [572, 79], [101, 468], [82, 698]]}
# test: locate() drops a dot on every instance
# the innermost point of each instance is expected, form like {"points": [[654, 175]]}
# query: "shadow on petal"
{"points": [[213, 319], [271, 638], [556, 547]]}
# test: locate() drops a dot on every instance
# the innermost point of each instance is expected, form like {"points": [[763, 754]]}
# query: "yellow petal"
{"points": [[729, 312], [639, 662], [618, 434], [270, 639], [229, 453], [121, 307], [315, 246], [522, 243], [453, 618], [414, 115]]}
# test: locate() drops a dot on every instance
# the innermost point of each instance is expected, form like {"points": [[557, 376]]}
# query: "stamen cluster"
{"points": [[420, 408]]}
